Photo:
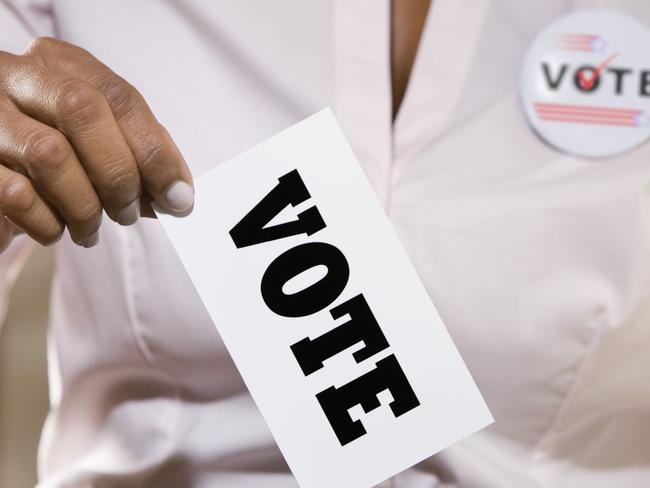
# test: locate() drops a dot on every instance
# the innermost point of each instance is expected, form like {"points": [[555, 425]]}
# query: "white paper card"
{"points": [[322, 311]]}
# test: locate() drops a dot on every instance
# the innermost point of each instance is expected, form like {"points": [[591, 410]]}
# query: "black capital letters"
{"points": [[315, 297], [290, 190], [594, 79], [620, 74], [553, 84], [362, 327], [644, 89], [388, 375]]}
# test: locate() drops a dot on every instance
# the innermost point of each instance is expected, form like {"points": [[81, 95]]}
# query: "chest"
{"points": [[525, 252]]}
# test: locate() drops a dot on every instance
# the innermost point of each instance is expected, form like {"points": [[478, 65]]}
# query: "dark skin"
{"points": [[407, 22], [77, 140]]}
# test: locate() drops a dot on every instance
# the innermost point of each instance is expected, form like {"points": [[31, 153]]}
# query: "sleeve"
{"points": [[20, 22], [11, 263]]}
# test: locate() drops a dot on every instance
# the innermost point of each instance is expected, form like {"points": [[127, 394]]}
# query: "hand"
{"points": [[76, 140]]}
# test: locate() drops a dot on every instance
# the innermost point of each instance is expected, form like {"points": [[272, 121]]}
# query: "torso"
{"points": [[530, 255]]}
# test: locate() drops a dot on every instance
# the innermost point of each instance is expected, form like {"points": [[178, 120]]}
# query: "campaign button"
{"points": [[585, 83]]}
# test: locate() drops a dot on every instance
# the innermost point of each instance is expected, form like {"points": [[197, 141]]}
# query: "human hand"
{"points": [[77, 140]]}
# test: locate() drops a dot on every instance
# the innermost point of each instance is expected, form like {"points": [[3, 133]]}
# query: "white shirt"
{"points": [[537, 261]]}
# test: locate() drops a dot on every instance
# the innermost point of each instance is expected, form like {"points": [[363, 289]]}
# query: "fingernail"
{"points": [[179, 197], [90, 241], [129, 214], [162, 210]]}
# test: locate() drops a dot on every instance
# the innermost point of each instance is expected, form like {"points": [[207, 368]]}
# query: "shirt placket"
{"points": [[362, 93], [439, 75]]}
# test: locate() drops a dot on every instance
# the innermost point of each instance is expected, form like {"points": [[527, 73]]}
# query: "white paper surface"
{"points": [[229, 281]]}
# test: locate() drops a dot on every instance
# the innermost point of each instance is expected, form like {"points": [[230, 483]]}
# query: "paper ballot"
{"points": [[334, 334]]}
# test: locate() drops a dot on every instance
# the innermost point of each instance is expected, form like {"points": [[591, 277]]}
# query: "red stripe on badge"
{"points": [[585, 114], [578, 42]]}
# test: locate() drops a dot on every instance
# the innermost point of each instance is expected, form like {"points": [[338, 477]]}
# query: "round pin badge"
{"points": [[585, 83]]}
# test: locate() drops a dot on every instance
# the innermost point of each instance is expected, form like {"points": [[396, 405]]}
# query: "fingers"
{"points": [[21, 205], [81, 113], [76, 139], [163, 171], [46, 156]]}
